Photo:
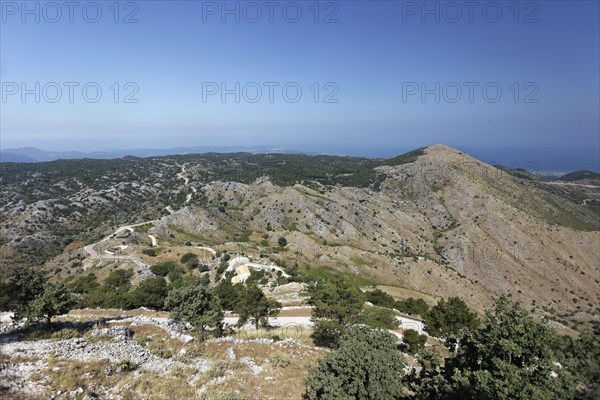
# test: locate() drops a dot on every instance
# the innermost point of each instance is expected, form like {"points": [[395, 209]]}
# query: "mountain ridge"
{"points": [[435, 221]]}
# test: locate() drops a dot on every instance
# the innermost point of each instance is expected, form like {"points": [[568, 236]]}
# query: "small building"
{"points": [[411, 322]]}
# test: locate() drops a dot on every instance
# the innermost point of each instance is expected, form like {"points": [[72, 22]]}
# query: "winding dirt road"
{"points": [[181, 175], [154, 241], [573, 184], [108, 255]]}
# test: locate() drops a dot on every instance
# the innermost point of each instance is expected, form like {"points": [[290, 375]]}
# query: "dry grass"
{"points": [[175, 385], [400, 293], [5, 358], [60, 334], [114, 313], [69, 375], [222, 367], [298, 333], [296, 312], [227, 379], [161, 344], [280, 363]]}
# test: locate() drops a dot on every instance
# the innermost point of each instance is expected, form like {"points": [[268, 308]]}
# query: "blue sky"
{"points": [[371, 58]]}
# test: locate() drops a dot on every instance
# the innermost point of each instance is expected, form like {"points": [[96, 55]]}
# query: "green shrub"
{"points": [[150, 293], [412, 306], [366, 366], [282, 242], [253, 305], [118, 279], [86, 283], [509, 357], [379, 317], [413, 341], [380, 298], [164, 268], [279, 359], [126, 366], [150, 252], [188, 257], [336, 305], [197, 305], [450, 319], [203, 268]]}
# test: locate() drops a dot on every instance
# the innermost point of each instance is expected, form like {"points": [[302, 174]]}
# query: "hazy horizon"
{"points": [[533, 159]]}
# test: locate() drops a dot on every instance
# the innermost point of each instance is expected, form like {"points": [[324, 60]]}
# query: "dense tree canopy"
{"points": [[378, 317], [254, 306], [197, 305], [336, 305], [450, 319], [30, 295], [53, 300], [85, 284], [581, 357], [24, 285], [188, 257], [366, 366], [508, 358], [380, 298], [586, 353], [282, 242], [151, 292], [228, 294], [413, 340], [119, 279], [412, 306], [165, 268]]}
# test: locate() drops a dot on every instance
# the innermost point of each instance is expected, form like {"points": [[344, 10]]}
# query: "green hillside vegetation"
{"points": [[579, 175]]}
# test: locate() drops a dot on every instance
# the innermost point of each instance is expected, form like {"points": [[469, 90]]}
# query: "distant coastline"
{"points": [[538, 160]]}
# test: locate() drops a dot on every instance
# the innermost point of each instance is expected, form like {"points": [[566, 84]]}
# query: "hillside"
{"points": [[434, 222], [580, 176]]}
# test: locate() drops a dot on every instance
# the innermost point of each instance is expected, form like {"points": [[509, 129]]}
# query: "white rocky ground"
{"points": [[23, 374], [26, 366]]}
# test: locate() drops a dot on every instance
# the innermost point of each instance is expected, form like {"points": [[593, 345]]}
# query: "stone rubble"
{"points": [[120, 349], [171, 326]]}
